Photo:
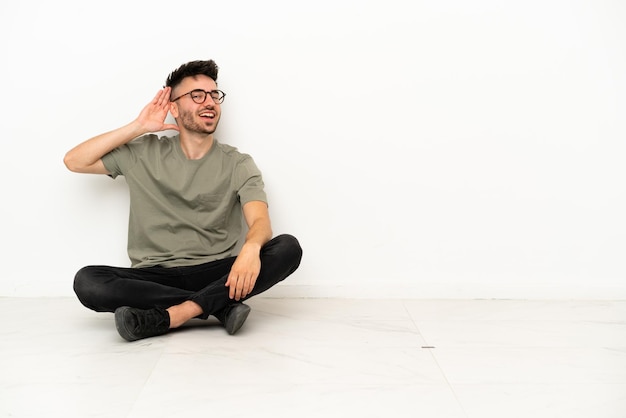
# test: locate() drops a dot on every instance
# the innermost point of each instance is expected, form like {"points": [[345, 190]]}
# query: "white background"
{"points": [[416, 148]]}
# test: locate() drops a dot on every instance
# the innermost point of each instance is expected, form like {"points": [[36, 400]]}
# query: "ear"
{"points": [[174, 109]]}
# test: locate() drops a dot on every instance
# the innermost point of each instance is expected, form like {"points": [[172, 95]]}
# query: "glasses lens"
{"points": [[198, 96], [217, 96]]}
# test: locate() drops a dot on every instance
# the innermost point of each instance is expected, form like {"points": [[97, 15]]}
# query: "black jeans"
{"points": [[106, 288]]}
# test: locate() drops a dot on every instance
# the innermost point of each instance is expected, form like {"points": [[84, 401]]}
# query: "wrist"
{"points": [[136, 128], [251, 246]]}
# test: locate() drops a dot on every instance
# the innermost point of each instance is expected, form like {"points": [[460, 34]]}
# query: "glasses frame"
{"points": [[206, 94]]}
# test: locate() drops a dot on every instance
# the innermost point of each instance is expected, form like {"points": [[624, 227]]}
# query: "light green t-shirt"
{"points": [[183, 212]]}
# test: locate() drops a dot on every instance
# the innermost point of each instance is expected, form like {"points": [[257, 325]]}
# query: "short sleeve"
{"points": [[121, 159], [249, 181]]}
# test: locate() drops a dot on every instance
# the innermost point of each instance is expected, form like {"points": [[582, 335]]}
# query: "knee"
{"points": [[81, 280], [85, 287], [290, 249]]}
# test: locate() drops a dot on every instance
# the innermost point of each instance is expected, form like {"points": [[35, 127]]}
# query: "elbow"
{"points": [[73, 164], [70, 163]]}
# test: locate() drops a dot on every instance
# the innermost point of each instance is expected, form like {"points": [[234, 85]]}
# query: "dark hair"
{"points": [[191, 69]]}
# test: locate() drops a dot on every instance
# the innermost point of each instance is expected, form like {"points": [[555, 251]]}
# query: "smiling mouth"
{"points": [[207, 115]]}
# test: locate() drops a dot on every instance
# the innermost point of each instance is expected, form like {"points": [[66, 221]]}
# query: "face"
{"points": [[191, 116]]}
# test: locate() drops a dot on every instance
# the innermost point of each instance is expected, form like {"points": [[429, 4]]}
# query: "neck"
{"points": [[195, 146]]}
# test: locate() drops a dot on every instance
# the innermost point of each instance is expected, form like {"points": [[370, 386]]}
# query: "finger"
{"points": [[244, 288], [164, 98], [157, 96], [229, 279], [249, 285], [238, 289], [231, 288], [250, 282]]}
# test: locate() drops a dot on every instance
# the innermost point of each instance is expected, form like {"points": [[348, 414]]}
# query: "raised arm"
{"points": [[87, 156]]}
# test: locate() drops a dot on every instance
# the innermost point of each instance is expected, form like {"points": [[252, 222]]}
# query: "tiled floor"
{"points": [[322, 358]]}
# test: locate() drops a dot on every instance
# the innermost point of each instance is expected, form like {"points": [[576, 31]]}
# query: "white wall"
{"points": [[416, 148]]}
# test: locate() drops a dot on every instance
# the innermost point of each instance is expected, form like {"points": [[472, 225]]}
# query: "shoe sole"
{"points": [[236, 317]]}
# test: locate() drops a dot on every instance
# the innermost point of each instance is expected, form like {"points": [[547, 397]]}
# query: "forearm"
{"points": [[85, 158], [247, 266], [86, 154], [259, 233]]}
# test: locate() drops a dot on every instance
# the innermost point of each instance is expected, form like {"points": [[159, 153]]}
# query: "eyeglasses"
{"points": [[199, 96]]}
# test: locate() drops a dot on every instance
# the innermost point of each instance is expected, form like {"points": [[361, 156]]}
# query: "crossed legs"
{"points": [[182, 292]]}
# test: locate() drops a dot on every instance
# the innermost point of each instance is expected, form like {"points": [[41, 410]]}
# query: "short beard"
{"points": [[189, 123]]}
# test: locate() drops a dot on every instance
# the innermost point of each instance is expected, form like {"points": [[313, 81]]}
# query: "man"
{"points": [[188, 193]]}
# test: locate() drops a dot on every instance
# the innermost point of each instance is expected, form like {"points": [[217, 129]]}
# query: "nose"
{"points": [[209, 101]]}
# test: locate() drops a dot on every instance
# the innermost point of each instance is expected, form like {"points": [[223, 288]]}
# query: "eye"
{"points": [[198, 95], [217, 96]]}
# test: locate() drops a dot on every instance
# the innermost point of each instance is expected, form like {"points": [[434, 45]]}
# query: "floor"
{"points": [[322, 358]]}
